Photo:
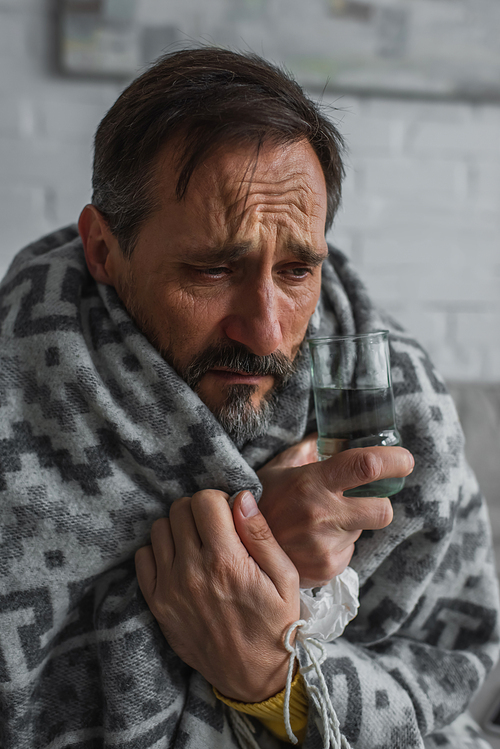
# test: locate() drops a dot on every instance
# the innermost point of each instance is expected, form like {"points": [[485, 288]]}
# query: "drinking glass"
{"points": [[354, 401]]}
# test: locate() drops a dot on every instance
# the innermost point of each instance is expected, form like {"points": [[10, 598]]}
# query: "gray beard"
{"points": [[240, 418]]}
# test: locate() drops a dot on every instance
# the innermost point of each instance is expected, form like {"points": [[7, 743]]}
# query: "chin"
{"points": [[226, 395]]}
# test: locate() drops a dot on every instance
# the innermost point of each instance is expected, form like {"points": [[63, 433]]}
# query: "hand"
{"points": [[223, 592], [308, 515]]}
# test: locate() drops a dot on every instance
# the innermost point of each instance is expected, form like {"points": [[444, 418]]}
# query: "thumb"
{"points": [[256, 535]]}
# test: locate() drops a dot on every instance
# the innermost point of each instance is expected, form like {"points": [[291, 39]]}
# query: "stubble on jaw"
{"points": [[237, 414]]}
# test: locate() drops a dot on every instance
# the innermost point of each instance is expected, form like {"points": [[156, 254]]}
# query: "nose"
{"points": [[253, 319]]}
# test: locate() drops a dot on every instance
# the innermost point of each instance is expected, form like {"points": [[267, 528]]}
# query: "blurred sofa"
{"points": [[478, 406]]}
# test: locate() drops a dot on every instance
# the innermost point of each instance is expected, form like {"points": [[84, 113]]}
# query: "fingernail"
{"points": [[248, 505], [412, 460]]}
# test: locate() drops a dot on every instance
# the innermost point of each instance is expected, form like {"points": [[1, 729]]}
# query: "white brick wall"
{"points": [[46, 129], [421, 220], [421, 211]]}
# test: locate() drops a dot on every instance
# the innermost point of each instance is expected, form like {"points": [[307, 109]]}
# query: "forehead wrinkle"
{"points": [[232, 181], [298, 178], [236, 198], [282, 204], [232, 191], [296, 219], [257, 191]]}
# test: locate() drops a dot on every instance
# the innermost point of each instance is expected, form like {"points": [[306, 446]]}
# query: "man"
{"points": [[153, 369]]}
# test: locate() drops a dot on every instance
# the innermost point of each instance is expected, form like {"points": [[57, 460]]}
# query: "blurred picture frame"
{"points": [[437, 49], [98, 38]]}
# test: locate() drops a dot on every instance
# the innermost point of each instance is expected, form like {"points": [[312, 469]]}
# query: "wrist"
{"points": [[255, 691]]}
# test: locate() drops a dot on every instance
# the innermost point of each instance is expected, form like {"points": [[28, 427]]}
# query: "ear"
{"points": [[102, 251]]}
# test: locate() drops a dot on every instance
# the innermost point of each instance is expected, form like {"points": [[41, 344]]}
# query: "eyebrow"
{"points": [[306, 254], [230, 252]]}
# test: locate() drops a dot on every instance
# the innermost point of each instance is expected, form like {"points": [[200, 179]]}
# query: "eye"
{"points": [[213, 272], [298, 273]]}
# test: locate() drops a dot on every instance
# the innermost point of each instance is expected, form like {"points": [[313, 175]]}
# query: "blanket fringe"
{"points": [[332, 737], [243, 729]]}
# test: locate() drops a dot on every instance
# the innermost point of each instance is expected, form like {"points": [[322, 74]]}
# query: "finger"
{"points": [[214, 520], [316, 575], [163, 547], [183, 527], [260, 543], [362, 465], [366, 513], [145, 568]]}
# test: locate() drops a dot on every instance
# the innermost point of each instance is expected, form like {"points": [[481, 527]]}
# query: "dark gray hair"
{"points": [[203, 98]]}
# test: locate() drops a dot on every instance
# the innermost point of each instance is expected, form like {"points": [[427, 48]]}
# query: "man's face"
{"points": [[223, 283]]}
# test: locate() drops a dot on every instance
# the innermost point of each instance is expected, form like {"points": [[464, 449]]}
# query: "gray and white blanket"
{"points": [[98, 435]]}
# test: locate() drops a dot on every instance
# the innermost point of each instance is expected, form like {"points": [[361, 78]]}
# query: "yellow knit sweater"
{"points": [[270, 712]]}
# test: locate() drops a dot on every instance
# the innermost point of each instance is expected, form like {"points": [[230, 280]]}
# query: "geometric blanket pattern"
{"points": [[98, 435]]}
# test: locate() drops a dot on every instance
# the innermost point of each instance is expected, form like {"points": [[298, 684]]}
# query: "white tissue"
{"points": [[329, 611]]}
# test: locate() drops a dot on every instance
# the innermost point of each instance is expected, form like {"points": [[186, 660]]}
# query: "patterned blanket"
{"points": [[98, 435]]}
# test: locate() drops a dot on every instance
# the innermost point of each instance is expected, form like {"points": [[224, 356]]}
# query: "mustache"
{"points": [[236, 356]]}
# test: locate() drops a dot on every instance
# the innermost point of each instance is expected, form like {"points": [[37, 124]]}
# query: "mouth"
{"points": [[222, 365], [238, 377]]}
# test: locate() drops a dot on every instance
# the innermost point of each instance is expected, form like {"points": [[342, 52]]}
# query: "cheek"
{"points": [[294, 322], [191, 322], [304, 306]]}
